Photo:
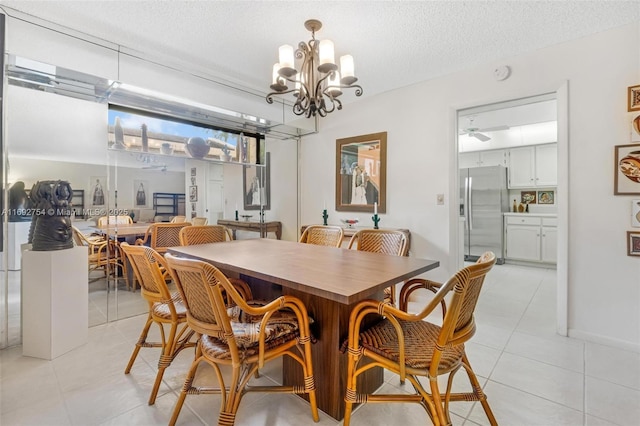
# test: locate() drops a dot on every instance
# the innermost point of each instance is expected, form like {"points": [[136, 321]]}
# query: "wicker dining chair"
{"points": [[161, 236], [114, 220], [322, 235], [385, 241], [205, 234], [411, 347], [178, 219], [165, 309], [199, 221], [241, 338]]}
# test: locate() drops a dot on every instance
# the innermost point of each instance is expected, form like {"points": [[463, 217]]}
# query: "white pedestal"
{"points": [[55, 301], [17, 234]]}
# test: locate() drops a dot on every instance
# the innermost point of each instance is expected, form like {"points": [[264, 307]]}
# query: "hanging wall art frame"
{"points": [[361, 173]]}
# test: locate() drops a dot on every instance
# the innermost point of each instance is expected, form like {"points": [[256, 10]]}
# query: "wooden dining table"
{"points": [[330, 281], [123, 229]]}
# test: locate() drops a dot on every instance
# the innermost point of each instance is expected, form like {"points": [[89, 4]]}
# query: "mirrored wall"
{"points": [[126, 163]]}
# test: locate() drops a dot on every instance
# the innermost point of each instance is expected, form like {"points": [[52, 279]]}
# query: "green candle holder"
{"points": [[236, 214], [325, 216], [375, 219]]}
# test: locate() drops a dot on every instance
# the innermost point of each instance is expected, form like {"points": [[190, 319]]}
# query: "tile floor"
{"points": [[531, 375]]}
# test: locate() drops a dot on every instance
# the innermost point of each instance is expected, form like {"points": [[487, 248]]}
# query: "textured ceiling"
{"points": [[394, 43]]}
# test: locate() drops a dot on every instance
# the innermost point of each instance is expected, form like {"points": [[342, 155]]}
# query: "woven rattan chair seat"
{"points": [[162, 310], [420, 339], [217, 349]]}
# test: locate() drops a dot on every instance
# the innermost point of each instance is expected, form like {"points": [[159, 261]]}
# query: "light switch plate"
{"points": [[635, 213]]}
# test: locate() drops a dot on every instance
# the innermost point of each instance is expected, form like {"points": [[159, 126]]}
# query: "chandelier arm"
{"points": [[269, 96]]}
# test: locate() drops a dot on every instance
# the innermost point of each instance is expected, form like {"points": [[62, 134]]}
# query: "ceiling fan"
{"points": [[476, 132]]}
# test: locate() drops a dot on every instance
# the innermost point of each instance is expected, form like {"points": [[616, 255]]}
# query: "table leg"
{"points": [[331, 321]]}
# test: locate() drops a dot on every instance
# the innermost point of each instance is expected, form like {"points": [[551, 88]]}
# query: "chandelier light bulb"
{"points": [[334, 85], [286, 60], [347, 70], [327, 56]]}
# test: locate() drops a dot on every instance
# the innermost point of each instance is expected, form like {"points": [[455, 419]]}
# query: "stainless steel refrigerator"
{"points": [[483, 199]]}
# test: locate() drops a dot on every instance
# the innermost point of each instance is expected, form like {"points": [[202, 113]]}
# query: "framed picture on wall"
{"points": [[97, 190], [361, 173], [256, 184], [140, 193], [193, 193], [633, 243], [627, 170], [633, 98]]}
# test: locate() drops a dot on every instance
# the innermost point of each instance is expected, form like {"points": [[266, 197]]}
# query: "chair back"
{"points": [[78, 237], [147, 266], [206, 234], [199, 221], [165, 235], [322, 235], [458, 324], [178, 219], [114, 220], [201, 286], [380, 241]]}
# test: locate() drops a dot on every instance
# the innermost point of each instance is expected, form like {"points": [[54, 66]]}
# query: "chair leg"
{"points": [[477, 390], [186, 387], [351, 394], [141, 341], [168, 349]]}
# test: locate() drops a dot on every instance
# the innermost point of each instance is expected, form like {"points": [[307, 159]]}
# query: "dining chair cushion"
{"points": [[246, 328], [162, 310], [420, 338]]}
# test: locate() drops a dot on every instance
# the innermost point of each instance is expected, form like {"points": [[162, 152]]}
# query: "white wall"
{"points": [[604, 283]]}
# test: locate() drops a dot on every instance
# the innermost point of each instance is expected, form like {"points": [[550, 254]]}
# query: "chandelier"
{"points": [[316, 84]]}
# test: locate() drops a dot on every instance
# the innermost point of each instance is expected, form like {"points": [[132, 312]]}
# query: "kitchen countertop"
{"points": [[532, 214]]}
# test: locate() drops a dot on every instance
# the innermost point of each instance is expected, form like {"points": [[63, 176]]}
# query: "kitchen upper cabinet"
{"points": [[547, 165], [533, 166], [496, 157]]}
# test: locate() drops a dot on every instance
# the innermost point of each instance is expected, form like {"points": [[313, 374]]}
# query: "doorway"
{"points": [[497, 135]]}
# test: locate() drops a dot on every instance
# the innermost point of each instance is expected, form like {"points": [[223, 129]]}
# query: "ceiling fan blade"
{"points": [[480, 136]]}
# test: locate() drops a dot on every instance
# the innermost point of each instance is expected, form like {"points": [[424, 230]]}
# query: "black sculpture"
{"points": [[51, 222], [19, 203]]}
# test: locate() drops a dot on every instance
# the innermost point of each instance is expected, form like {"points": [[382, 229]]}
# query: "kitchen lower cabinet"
{"points": [[531, 238], [549, 244]]}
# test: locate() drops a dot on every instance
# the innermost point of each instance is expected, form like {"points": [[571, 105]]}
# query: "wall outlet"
{"points": [[440, 199]]}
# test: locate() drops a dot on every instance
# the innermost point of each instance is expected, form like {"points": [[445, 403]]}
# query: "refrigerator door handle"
{"points": [[466, 203], [469, 199]]}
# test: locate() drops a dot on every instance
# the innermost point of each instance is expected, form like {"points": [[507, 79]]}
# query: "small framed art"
{"points": [[633, 243], [633, 98]]}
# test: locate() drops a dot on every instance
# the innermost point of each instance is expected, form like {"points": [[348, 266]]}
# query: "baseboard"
{"points": [[605, 340]]}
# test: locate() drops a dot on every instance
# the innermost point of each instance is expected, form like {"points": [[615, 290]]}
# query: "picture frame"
{"points": [[633, 243], [140, 193], [193, 171], [97, 193], [627, 170], [528, 197], [546, 197], [361, 173], [256, 184], [635, 128], [193, 193], [633, 98]]}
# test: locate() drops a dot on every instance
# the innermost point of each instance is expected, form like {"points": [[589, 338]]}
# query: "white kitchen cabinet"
{"points": [[547, 165], [496, 157], [533, 166], [549, 241], [531, 238]]}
